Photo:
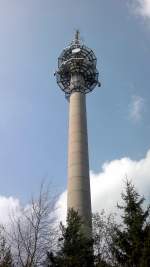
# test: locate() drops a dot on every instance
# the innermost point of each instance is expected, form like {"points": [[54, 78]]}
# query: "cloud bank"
{"points": [[106, 187]]}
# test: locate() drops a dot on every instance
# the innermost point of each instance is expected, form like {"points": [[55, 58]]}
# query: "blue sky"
{"points": [[33, 110]]}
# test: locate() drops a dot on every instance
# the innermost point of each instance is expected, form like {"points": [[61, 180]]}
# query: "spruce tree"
{"points": [[76, 249], [129, 240], [145, 259]]}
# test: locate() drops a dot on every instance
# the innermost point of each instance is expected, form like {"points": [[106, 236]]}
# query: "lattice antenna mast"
{"points": [[77, 37]]}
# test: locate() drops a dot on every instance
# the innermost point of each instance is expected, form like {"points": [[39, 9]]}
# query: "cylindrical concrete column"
{"points": [[79, 197]]}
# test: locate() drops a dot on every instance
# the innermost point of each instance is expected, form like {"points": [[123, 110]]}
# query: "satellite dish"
{"points": [[76, 50]]}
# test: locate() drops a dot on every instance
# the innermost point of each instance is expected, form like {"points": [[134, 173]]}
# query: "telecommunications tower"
{"points": [[76, 76]]}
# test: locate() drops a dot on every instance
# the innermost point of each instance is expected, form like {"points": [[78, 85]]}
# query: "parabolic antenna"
{"points": [[76, 50]]}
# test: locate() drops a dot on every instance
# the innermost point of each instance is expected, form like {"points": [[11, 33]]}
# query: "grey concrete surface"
{"points": [[79, 196]]}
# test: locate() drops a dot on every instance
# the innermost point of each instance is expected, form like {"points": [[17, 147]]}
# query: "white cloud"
{"points": [[141, 7], [144, 8], [136, 108], [107, 185], [61, 207], [9, 206]]}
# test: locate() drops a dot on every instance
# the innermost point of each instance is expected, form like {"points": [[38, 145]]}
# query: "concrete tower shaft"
{"points": [[79, 196]]}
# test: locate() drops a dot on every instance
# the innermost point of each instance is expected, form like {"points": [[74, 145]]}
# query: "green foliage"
{"points": [[126, 245], [145, 259], [130, 240], [75, 249]]}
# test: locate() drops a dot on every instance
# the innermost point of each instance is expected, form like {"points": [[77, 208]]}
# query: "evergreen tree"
{"points": [[130, 240], [76, 249], [145, 259]]}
